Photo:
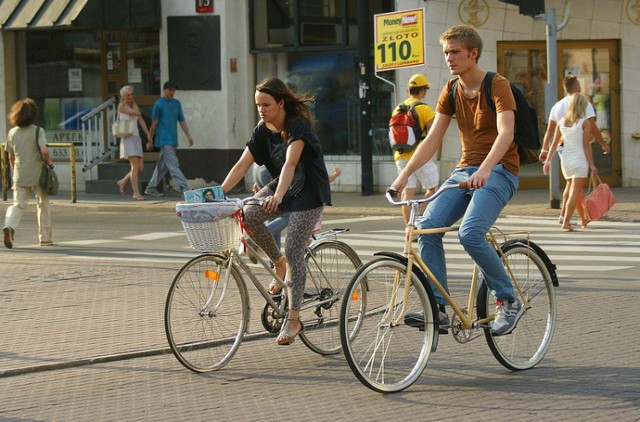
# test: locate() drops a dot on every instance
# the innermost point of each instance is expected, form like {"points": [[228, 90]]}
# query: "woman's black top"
{"points": [[310, 186]]}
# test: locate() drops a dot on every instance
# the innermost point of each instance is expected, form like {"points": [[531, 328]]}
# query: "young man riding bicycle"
{"points": [[490, 164]]}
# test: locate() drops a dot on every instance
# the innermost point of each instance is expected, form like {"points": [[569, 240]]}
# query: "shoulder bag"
{"points": [[122, 128], [599, 199], [48, 177]]}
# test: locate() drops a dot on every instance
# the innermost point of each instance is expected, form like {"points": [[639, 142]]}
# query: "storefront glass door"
{"points": [[596, 65]]}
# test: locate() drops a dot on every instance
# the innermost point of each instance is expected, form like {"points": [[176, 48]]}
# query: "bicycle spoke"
{"points": [[385, 356]]}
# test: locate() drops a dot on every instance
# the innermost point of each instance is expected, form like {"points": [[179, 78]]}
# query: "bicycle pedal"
{"points": [[441, 330]]}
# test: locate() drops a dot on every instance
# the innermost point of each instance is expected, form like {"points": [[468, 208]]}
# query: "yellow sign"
{"points": [[399, 39]]}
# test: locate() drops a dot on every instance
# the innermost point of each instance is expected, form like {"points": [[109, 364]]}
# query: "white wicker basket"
{"points": [[209, 226]]}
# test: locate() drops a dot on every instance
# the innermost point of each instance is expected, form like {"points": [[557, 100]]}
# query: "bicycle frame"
{"points": [[252, 250], [413, 257]]}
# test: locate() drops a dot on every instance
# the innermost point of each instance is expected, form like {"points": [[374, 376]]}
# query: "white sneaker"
{"points": [[507, 316], [153, 192]]}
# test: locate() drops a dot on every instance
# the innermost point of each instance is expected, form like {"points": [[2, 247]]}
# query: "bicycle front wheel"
{"points": [[525, 346], [385, 354], [330, 266], [206, 313]]}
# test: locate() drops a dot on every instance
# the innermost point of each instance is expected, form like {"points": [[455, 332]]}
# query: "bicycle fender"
{"points": [[416, 270], [425, 282], [551, 267]]}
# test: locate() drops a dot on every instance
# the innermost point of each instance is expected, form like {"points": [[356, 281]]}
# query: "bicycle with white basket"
{"points": [[207, 309]]}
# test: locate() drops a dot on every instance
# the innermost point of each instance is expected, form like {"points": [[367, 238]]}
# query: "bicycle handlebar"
{"points": [[392, 192]]}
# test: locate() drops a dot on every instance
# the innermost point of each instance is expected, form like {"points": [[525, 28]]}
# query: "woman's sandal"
{"points": [[274, 287], [285, 338]]}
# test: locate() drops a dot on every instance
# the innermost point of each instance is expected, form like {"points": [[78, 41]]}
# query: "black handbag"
{"points": [[48, 177], [278, 153]]}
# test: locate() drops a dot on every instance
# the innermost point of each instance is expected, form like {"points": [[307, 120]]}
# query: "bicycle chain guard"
{"points": [[270, 320]]}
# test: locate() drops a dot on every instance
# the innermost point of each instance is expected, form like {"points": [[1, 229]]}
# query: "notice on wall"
{"points": [[75, 80], [134, 75]]}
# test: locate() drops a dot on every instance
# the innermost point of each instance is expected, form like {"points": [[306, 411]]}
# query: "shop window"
{"points": [[312, 44], [286, 23], [63, 76], [332, 79], [68, 73]]}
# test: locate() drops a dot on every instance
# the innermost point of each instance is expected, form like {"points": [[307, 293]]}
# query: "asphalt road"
{"points": [[99, 294]]}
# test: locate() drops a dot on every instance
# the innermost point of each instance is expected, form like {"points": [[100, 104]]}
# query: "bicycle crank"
{"points": [[460, 334], [270, 319]]}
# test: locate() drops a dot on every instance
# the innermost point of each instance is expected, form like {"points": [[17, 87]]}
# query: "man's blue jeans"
{"points": [[168, 162], [479, 210], [276, 226]]}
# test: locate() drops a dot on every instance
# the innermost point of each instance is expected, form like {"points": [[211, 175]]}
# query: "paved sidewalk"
{"points": [[524, 203]]}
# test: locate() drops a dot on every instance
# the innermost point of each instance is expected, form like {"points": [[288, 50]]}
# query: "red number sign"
{"points": [[204, 6]]}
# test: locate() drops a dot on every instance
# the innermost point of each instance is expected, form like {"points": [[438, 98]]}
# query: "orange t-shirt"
{"points": [[477, 123]]}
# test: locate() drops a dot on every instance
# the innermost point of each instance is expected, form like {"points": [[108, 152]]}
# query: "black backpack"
{"points": [[405, 132], [527, 136]]}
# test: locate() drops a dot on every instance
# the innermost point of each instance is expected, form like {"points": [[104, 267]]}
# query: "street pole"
{"points": [[366, 154], [551, 94], [551, 97]]}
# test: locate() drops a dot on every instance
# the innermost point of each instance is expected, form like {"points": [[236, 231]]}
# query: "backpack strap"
{"points": [[38, 143], [412, 109], [488, 80], [452, 95]]}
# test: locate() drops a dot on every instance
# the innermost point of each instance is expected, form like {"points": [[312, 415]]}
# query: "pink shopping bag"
{"points": [[599, 200]]}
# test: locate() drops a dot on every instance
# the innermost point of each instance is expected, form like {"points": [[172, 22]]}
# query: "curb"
{"points": [[107, 358]]}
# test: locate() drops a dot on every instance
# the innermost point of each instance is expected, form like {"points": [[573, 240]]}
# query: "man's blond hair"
{"points": [[466, 35]]}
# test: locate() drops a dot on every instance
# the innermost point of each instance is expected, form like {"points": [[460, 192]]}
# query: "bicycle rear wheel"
{"points": [[206, 313], [525, 346], [384, 355], [330, 266]]}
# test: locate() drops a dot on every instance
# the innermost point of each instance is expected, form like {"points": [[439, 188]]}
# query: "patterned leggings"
{"points": [[301, 225]]}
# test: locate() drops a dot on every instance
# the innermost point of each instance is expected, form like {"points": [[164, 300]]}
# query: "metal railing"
{"points": [[98, 143]]}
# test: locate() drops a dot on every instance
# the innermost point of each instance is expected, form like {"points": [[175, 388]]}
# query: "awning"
{"points": [[33, 14], [122, 15]]}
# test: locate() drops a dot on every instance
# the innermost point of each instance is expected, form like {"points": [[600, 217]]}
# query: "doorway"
{"points": [[132, 59], [596, 63]]}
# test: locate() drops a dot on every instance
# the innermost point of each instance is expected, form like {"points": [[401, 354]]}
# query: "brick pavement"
{"points": [[78, 312]]}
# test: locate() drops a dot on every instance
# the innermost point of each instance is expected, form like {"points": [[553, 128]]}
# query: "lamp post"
{"points": [[364, 84]]}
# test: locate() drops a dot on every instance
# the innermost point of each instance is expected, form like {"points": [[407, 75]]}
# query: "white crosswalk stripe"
{"points": [[603, 247]]}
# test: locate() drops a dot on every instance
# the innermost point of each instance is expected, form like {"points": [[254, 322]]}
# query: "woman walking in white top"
{"points": [[131, 147], [577, 158], [27, 148]]}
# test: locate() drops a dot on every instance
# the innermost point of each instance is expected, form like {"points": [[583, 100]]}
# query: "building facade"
{"points": [[74, 55]]}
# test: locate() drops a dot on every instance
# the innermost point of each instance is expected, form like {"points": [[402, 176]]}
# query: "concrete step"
{"points": [[116, 170], [110, 186], [109, 173]]}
